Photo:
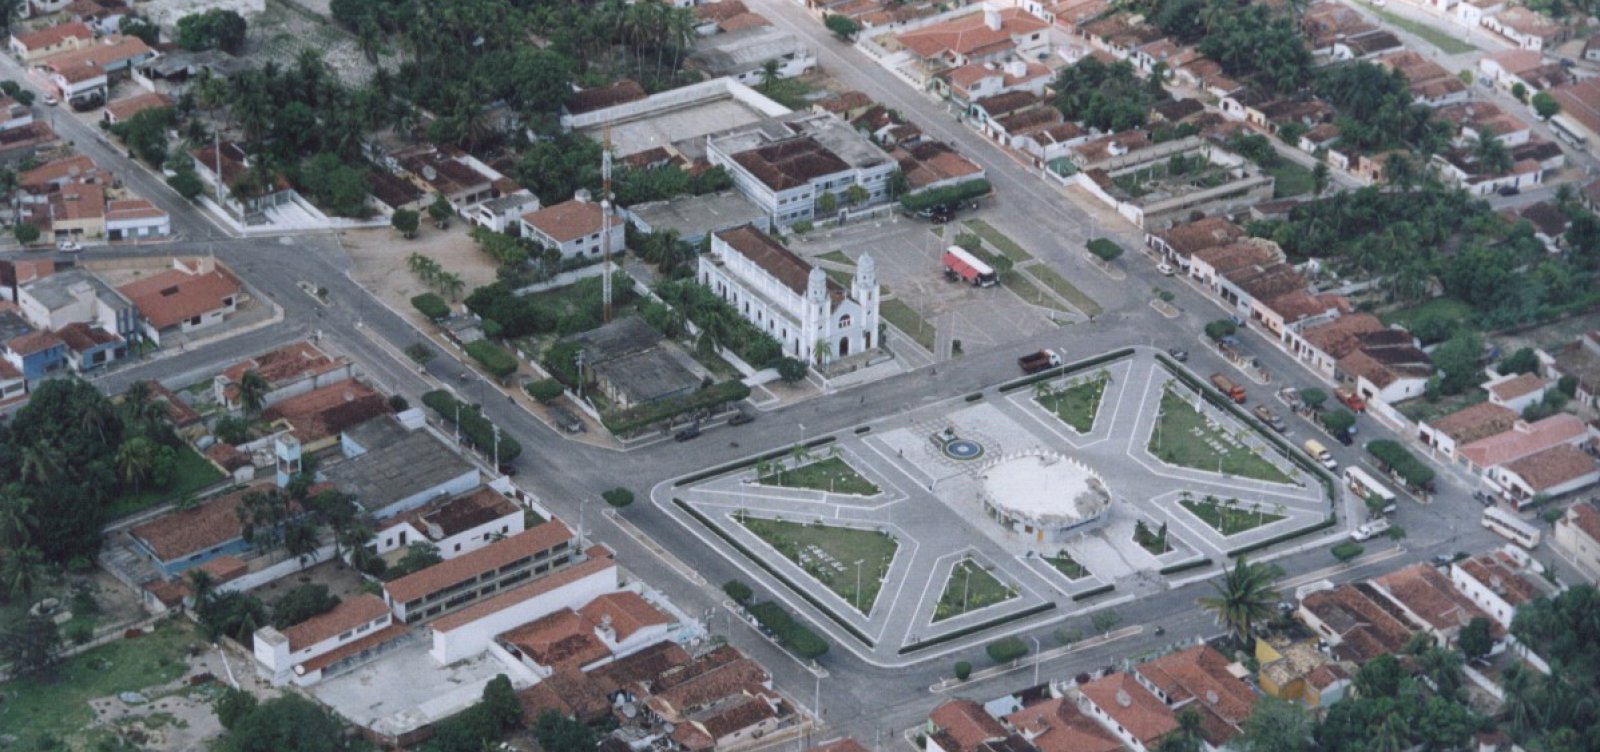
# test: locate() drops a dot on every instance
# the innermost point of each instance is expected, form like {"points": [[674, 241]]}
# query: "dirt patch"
{"points": [[178, 716], [378, 259]]}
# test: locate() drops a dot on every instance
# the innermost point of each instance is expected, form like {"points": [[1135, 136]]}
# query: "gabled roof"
{"points": [[493, 556], [1505, 576], [790, 163], [1199, 678], [600, 97], [127, 107], [1186, 238], [1123, 699], [1058, 726], [175, 295], [1522, 439], [1478, 421], [568, 220], [346, 616], [769, 255], [968, 723], [50, 35], [1518, 386], [1365, 621], [624, 611], [1552, 467], [570, 693], [1585, 517], [969, 34], [177, 534], [328, 411], [1423, 591], [600, 560], [562, 640]]}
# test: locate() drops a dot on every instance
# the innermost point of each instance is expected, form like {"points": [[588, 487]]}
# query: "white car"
{"points": [[50, 100], [1369, 529], [69, 246], [1165, 269]]}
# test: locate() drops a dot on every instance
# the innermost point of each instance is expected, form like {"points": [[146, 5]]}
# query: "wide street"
{"points": [[857, 697]]}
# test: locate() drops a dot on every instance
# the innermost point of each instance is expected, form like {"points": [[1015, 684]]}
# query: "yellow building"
{"points": [[1299, 672]]}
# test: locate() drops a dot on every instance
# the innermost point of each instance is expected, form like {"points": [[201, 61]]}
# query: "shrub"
{"points": [[802, 227], [432, 306], [791, 370], [792, 634], [1348, 550], [954, 194], [1006, 650], [963, 670], [302, 603], [545, 391], [1220, 328], [618, 497], [738, 591], [493, 357], [1339, 420], [1413, 471], [398, 403], [1105, 249]]}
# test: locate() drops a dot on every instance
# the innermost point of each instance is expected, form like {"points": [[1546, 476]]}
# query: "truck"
{"points": [[1369, 529], [1036, 362], [963, 266], [1350, 399], [1270, 418], [1226, 386], [1321, 454]]}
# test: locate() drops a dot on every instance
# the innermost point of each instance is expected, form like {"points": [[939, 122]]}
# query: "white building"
{"points": [[743, 54], [503, 214], [786, 167], [352, 632], [135, 219], [455, 525], [1500, 581], [461, 580], [813, 318], [472, 630], [574, 228]]}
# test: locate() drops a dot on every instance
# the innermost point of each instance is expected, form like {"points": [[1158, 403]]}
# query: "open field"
{"points": [[909, 321]]}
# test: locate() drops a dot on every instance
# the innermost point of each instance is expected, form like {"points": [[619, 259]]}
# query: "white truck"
{"points": [[1370, 529]]}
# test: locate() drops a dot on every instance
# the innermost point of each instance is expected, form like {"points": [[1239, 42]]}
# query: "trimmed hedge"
{"points": [[771, 570], [976, 628], [1006, 650], [790, 633], [738, 591], [1186, 566], [1410, 469], [1105, 249], [964, 191], [975, 396], [641, 416], [1092, 592], [742, 464], [1326, 523], [862, 429], [432, 306], [494, 359], [618, 497], [476, 428], [1059, 371], [545, 390]]}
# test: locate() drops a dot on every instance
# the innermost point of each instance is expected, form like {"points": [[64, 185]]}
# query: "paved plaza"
{"points": [[931, 467]]}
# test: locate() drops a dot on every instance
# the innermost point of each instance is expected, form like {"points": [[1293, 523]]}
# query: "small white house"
{"points": [[574, 227]]}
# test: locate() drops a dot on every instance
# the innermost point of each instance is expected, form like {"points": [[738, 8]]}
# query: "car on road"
{"points": [[566, 421], [1509, 190], [69, 246], [1165, 269], [1179, 354], [741, 419], [1270, 418], [509, 470], [1369, 529], [1441, 560], [687, 434], [51, 101]]}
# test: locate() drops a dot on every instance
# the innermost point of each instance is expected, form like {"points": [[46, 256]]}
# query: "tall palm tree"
{"points": [[16, 518], [201, 586], [769, 73], [1442, 666], [135, 459], [1521, 705], [252, 391], [1244, 597], [40, 463], [19, 572]]}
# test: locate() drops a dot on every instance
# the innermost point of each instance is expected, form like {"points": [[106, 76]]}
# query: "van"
{"points": [[1320, 453]]}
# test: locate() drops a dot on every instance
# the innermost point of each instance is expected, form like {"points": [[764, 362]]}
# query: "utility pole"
{"points": [[1036, 658], [605, 225], [496, 447]]}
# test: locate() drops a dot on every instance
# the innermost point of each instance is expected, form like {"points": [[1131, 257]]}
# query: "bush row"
{"points": [[493, 358], [1326, 523], [792, 634], [965, 191], [432, 306], [1186, 566], [477, 429], [1413, 471], [1092, 592], [641, 416]]}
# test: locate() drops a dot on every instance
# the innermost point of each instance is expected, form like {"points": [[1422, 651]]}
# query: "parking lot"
{"points": [[908, 253]]}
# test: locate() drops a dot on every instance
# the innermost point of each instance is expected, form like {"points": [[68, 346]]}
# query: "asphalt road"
{"points": [[857, 698]]}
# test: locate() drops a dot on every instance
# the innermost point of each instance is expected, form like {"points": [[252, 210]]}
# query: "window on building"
{"points": [[844, 321]]}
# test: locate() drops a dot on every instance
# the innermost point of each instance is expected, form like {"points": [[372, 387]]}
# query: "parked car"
{"points": [[51, 101], [69, 246], [1178, 354], [1165, 269], [741, 419], [1369, 529], [1509, 190], [687, 434], [1270, 418], [509, 470], [1441, 560], [566, 420]]}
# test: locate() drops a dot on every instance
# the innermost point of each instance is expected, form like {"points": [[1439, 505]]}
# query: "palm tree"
{"points": [[201, 587], [451, 284], [1442, 666], [135, 459], [19, 572], [16, 518], [40, 463], [822, 351], [1393, 734], [300, 541], [1244, 597], [769, 73], [1492, 155], [252, 391], [1521, 705], [1043, 391]]}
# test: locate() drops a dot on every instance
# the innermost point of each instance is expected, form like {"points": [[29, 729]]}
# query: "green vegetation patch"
{"points": [[907, 320], [832, 474], [1029, 291], [1076, 405], [970, 587], [37, 709], [1001, 242], [829, 554], [837, 257], [1185, 438], [1067, 566], [1229, 519], [1056, 282], [1290, 179], [191, 473], [1445, 42]]}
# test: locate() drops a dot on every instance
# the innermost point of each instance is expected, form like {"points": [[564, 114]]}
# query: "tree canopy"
{"points": [[1107, 97]]}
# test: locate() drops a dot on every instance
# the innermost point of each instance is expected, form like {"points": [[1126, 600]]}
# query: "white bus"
{"points": [[1364, 486], [1511, 527], [958, 264], [1568, 131]]}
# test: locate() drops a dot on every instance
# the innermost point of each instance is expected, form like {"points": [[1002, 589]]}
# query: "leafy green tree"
{"points": [[135, 460], [1545, 106], [20, 572], [406, 221], [233, 706], [963, 670], [30, 644], [500, 703], [25, 232], [1379, 677], [302, 603], [253, 390], [1276, 725], [1244, 597], [146, 134], [791, 370], [1220, 328], [1338, 421], [558, 734], [187, 184], [1457, 362], [286, 722], [1187, 736], [1106, 97], [842, 26], [218, 27], [440, 210]]}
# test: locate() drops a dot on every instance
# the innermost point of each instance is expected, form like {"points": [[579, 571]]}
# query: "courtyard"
{"points": [[963, 530]]}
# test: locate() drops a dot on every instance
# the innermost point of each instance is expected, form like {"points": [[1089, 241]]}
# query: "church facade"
{"points": [[815, 319]]}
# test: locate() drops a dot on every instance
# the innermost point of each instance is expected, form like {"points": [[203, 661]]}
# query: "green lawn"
{"points": [[789, 92], [970, 588], [1422, 409], [1066, 565], [1450, 45], [999, 240], [1059, 284], [841, 548], [909, 321], [37, 709], [837, 257], [1449, 308], [1229, 520], [831, 474], [191, 473], [1182, 437], [1290, 179], [1075, 405], [1025, 288], [1154, 541]]}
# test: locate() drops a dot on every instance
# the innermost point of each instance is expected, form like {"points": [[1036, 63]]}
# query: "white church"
{"points": [[814, 318]]}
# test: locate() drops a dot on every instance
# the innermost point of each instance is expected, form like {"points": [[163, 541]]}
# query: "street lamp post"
{"points": [[858, 583], [583, 510], [1036, 658]]}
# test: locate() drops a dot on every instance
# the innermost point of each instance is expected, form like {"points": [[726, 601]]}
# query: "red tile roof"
{"points": [[1585, 517], [569, 693], [1058, 726], [967, 723], [110, 50], [1479, 421], [1499, 572], [50, 35], [176, 295], [34, 342], [77, 166], [508, 598], [355, 647], [177, 534], [1517, 386], [567, 221], [134, 208], [493, 556], [563, 640], [969, 35], [1337, 338], [1523, 439], [1189, 237], [624, 611], [1423, 591], [790, 163], [81, 337], [346, 616], [1131, 706], [286, 364], [127, 107], [769, 255], [325, 412], [1552, 467], [1199, 678]]}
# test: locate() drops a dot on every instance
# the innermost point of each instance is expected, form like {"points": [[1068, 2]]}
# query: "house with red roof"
{"points": [[1428, 598], [1201, 679], [194, 294], [472, 630], [1128, 709], [32, 45], [1500, 581], [353, 632], [989, 35], [1058, 725], [962, 726], [290, 370], [1561, 469]]}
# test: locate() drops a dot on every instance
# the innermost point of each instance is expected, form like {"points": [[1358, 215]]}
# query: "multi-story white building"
{"points": [[574, 228], [785, 167], [349, 634], [813, 318]]}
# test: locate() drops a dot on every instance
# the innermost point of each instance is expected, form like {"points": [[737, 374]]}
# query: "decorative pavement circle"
{"points": [[963, 449]]}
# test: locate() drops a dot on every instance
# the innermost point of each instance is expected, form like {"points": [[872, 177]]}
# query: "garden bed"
{"points": [[831, 474], [1076, 405], [1229, 519], [821, 550], [1185, 437], [970, 588]]}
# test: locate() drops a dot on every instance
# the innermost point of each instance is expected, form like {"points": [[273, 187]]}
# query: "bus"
{"points": [[1511, 527], [1568, 131], [1363, 485], [958, 264]]}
